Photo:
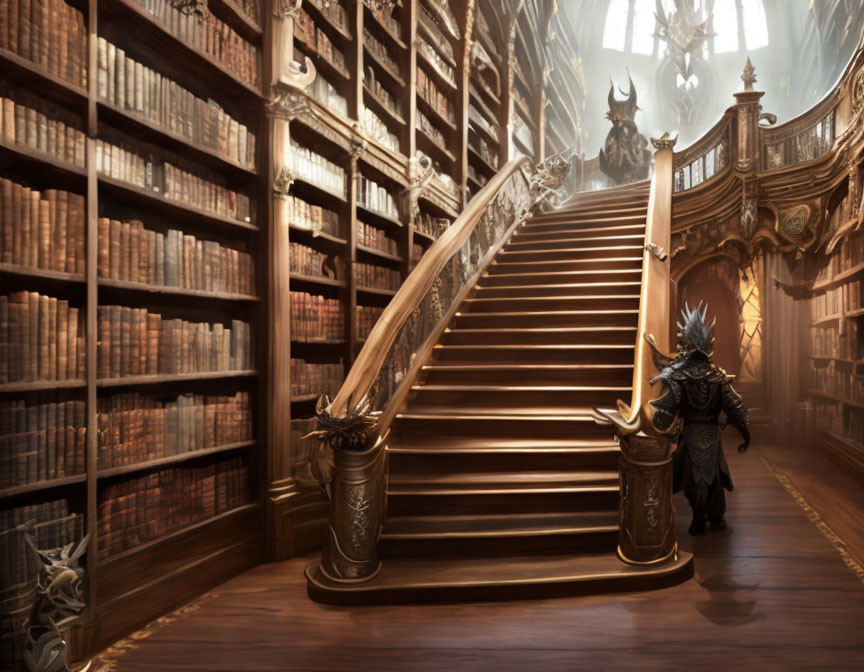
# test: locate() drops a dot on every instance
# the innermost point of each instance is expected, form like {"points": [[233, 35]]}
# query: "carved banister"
{"points": [[420, 281]]}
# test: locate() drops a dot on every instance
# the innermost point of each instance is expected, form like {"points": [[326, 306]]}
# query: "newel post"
{"points": [[646, 531]]}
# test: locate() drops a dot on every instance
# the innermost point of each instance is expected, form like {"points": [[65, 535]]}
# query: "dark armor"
{"points": [[696, 391]]}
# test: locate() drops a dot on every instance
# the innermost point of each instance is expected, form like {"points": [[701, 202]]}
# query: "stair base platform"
{"points": [[417, 580]]}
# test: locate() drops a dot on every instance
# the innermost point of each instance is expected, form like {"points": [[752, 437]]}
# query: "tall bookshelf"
{"points": [[834, 361], [161, 457]]}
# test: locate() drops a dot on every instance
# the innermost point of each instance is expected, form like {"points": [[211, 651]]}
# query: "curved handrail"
{"points": [[368, 365]]}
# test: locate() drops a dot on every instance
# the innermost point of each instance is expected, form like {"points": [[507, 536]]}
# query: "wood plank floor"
{"points": [[770, 593]]}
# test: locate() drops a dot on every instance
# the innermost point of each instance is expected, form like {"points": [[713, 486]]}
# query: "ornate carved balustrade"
{"points": [[355, 424], [706, 159]]}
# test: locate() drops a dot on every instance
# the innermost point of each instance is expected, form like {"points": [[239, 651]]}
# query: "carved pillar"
{"points": [[747, 147]]}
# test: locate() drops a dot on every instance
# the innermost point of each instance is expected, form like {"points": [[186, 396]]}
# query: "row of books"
{"points": [[839, 380], [426, 126], [317, 42], [50, 33], [328, 95], [314, 378], [309, 261], [131, 85], [314, 168], [333, 10], [478, 119], [52, 525], [381, 93], [390, 22], [828, 304], [380, 51], [829, 342], [417, 252], [316, 318], [210, 36], [844, 211], [199, 188], [247, 7], [375, 238], [304, 215], [304, 451], [367, 316], [128, 251], [377, 277], [437, 38], [487, 152], [851, 252], [41, 441], [134, 511], [30, 121], [377, 129], [434, 97], [435, 61], [136, 342], [42, 229], [431, 225], [373, 196], [135, 428], [41, 338]]}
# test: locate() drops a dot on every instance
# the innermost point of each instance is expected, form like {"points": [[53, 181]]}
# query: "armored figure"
{"points": [[696, 391], [625, 156]]}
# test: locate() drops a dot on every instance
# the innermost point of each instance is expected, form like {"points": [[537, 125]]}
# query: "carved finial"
{"points": [[664, 141], [748, 76]]}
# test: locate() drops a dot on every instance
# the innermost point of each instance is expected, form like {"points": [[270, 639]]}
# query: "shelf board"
{"points": [[159, 378], [836, 397], [44, 274], [432, 39], [318, 192], [327, 68], [322, 236], [378, 253], [430, 111], [383, 30], [376, 291], [855, 312], [153, 132], [19, 68], [481, 129], [435, 148], [479, 85], [39, 486], [153, 34], [42, 164], [339, 35], [826, 321], [383, 67], [844, 360], [304, 398], [125, 469], [148, 546], [424, 236], [149, 198], [433, 73], [382, 109], [41, 386], [235, 17], [841, 278], [174, 291], [379, 219], [317, 280], [488, 167], [322, 341]]}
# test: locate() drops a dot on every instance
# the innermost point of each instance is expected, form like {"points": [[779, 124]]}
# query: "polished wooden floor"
{"points": [[776, 591]]}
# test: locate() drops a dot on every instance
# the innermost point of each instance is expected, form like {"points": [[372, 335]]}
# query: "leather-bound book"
{"points": [[9, 223], [125, 340], [30, 335], [52, 338], [75, 209], [60, 231], [62, 339], [44, 212], [114, 317], [114, 249], [73, 363], [4, 343], [103, 263], [135, 228]]}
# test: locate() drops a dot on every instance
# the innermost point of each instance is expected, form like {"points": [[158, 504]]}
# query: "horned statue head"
{"points": [[695, 335], [59, 586], [622, 111]]}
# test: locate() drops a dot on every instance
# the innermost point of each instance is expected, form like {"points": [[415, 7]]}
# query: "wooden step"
{"points": [[507, 400], [456, 427], [543, 337], [567, 241], [585, 276], [530, 353], [461, 579], [562, 289], [524, 234], [586, 220], [413, 454], [541, 267], [560, 373], [537, 303], [570, 254], [549, 318], [497, 535]]}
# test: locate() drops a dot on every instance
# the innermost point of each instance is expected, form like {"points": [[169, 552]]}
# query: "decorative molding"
{"points": [[440, 10], [283, 181], [196, 8], [289, 102], [657, 250], [381, 5], [286, 9], [664, 142], [748, 76]]}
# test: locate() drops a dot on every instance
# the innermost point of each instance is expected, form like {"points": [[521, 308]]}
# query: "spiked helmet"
{"points": [[694, 332]]}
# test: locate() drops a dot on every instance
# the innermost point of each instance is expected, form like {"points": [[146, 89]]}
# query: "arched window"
{"points": [[738, 25]]}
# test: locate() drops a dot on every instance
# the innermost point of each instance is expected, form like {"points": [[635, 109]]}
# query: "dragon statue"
{"points": [[625, 156], [58, 603]]}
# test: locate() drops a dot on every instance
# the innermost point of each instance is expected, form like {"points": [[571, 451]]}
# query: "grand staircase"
{"points": [[500, 483]]}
